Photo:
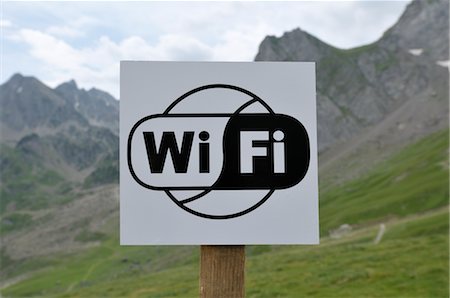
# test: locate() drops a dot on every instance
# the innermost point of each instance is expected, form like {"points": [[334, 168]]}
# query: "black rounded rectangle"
{"points": [[296, 152]]}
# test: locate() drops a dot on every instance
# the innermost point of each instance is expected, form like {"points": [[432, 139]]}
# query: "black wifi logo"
{"points": [[218, 164]]}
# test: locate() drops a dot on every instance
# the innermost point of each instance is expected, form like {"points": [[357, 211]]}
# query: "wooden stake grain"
{"points": [[222, 271]]}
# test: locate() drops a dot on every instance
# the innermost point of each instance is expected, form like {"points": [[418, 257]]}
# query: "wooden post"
{"points": [[222, 271]]}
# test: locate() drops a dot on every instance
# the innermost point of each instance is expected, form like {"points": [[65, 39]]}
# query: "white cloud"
{"points": [[5, 23], [240, 45], [64, 31], [61, 61], [51, 50], [84, 21], [73, 28], [86, 41], [98, 65]]}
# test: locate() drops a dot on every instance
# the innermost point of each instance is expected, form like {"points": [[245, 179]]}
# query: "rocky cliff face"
{"points": [[30, 106], [54, 141], [359, 88], [424, 25], [99, 107]]}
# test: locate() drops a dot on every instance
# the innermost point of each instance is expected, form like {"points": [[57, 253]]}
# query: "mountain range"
{"points": [[59, 146]]}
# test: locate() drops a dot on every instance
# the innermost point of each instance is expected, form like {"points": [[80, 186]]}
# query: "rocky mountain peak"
{"points": [[69, 86], [103, 96], [29, 105], [99, 107], [293, 45], [19, 82], [16, 79], [424, 27]]}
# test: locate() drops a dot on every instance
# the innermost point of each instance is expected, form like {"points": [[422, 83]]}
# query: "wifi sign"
{"points": [[208, 156], [241, 150]]}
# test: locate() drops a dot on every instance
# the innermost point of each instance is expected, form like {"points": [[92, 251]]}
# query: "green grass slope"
{"points": [[27, 184], [414, 180], [408, 193]]}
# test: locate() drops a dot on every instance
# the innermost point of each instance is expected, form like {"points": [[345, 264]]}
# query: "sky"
{"points": [[85, 41]]}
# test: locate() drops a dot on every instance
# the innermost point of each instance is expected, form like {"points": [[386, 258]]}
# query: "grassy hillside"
{"points": [[414, 180], [408, 193], [27, 184]]}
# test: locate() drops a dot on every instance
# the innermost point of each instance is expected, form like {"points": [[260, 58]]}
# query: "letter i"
{"points": [[279, 163], [204, 152]]}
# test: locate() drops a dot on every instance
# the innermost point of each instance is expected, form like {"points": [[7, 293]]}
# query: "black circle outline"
{"points": [[228, 216], [211, 86], [205, 189]]}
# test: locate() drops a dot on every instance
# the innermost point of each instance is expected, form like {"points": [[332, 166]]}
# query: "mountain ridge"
{"points": [[57, 133], [356, 88]]}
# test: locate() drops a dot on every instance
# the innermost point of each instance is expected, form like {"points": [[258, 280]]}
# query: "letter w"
{"points": [[157, 158]]}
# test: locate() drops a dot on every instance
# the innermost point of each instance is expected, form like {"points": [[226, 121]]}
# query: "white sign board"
{"points": [[218, 153]]}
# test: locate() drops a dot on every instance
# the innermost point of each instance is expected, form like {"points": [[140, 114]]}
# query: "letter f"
{"points": [[248, 151]]}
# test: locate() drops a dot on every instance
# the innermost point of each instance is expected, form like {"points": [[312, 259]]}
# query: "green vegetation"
{"points": [[405, 265], [406, 262], [414, 180], [408, 193], [358, 50], [88, 236], [26, 184], [14, 221], [386, 63], [106, 172]]}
